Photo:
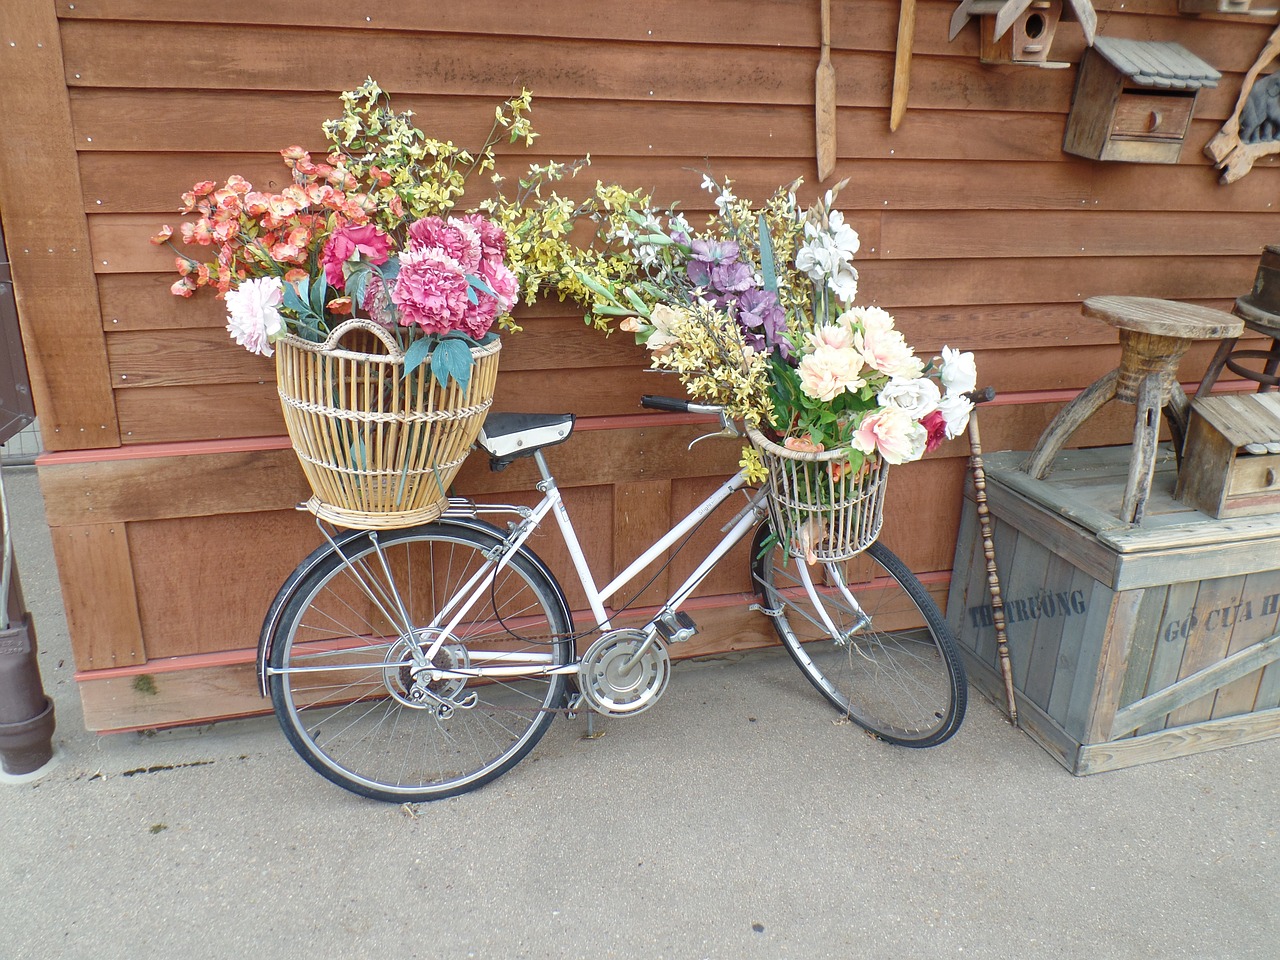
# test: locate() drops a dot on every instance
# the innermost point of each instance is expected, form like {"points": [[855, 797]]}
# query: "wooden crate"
{"points": [[1128, 644]]}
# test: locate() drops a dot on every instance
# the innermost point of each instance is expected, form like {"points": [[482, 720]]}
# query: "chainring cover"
{"points": [[615, 682]]}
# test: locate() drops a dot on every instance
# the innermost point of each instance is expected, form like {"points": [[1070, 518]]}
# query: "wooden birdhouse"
{"points": [[1134, 100], [1020, 31]]}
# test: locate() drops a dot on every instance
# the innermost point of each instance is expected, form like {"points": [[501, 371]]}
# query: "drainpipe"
{"points": [[26, 714]]}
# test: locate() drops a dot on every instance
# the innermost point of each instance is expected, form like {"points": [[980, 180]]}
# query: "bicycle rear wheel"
{"points": [[341, 667], [890, 664]]}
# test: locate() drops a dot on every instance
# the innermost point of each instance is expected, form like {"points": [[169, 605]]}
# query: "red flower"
{"points": [[936, 424], [350, 242]]}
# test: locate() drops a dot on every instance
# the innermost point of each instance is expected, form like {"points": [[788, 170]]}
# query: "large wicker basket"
{"points": [[815, 508], [379, 450]]}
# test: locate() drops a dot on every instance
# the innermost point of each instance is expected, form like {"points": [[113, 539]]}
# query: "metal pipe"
{"points": [[26, 714]]}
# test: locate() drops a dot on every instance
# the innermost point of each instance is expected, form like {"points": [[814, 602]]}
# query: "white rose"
{"points": [[959, 372], [955, 411], [916, 398]]}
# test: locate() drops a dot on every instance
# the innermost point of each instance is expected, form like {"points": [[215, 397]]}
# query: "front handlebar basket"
{"points": [[823, 512]]}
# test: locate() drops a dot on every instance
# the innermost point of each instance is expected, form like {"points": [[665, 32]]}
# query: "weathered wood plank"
{"points": [[1179, 696], [98, 591], [47, 239], [920, 235], [641, 511], [1258, 619], [1179, 742], [935, 183]]}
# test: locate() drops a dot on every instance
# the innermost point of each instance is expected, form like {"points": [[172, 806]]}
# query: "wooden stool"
{"points": [[1154, 336], [1259, 321]]}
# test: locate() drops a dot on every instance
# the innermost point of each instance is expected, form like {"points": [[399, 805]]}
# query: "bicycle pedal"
{"points": [[675, 627]]}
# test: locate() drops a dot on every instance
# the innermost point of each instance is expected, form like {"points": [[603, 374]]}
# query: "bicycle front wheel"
{"points": [[355, 703], [875, 645]]}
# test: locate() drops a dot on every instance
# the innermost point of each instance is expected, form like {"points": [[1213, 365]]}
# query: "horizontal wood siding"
{"points": [[977, 231]]}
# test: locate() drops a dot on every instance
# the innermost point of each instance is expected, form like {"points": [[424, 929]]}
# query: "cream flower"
{"points": [[891, 433], [836, 335], [665, 320], [888, 352], [828, 371]]}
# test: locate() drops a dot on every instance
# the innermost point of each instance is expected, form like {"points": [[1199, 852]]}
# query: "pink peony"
{"points": [[253, 315], [351, 243], [892, 434], [458, 240], [430, 290], [888, 352]]}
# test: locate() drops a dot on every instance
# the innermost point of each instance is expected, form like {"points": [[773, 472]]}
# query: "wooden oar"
{"points": [[902, 63], [825, 100]]}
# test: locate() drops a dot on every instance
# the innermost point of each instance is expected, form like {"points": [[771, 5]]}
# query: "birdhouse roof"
{"points": [[1007, 11], [1162, 64]]}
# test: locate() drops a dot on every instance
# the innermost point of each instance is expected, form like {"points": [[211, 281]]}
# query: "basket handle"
{"points": [[362, 323]]}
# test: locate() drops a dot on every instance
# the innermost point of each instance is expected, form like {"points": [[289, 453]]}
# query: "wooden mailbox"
{"points": [[1134, 100], [1231, 462]]}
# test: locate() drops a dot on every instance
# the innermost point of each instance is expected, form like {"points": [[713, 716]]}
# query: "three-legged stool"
{"points": [[1154, 336], [1259, 321]]}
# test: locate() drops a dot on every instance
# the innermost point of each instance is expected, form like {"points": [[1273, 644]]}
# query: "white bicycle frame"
{"points": [[475, 589]]}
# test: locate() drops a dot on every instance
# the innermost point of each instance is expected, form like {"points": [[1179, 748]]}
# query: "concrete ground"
{"points": [[734, 820]]}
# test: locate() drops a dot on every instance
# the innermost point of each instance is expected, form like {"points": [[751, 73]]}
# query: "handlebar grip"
{"points": [[670, 404], [985, 395]]}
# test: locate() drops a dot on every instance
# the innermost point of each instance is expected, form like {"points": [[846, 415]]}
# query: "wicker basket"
{"points": [[378, 451], [813, 511]]}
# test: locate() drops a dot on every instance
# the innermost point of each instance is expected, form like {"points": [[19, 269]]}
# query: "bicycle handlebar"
{"points": [[673, 405]]}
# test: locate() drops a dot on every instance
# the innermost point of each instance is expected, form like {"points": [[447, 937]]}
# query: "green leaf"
{"points": [[636, 302], [417, 354], [294, 302], [451, 358], [476, 283], [768, 269], [319, 289]]}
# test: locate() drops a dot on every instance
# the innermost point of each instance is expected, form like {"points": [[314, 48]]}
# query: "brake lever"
{"points": [[728, 429]]}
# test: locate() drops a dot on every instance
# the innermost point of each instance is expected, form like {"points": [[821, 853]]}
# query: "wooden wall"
{"points": [[169, 488]]}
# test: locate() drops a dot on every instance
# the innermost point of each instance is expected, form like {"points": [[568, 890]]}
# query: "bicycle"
{"points": [[415, 664]]}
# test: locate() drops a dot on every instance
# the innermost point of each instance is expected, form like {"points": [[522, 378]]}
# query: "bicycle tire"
{"points": [[899, 675], [339, 670]]}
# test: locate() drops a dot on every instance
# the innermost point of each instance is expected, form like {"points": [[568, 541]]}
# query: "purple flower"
{"points": [[763, 320], [707, 255], [731, 278]]}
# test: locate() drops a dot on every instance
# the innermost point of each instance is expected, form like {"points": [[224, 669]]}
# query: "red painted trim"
{"points": [[190, 448]]}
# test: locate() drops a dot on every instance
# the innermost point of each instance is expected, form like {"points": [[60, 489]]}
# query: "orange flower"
{"points": [[293, 154], [286, 253], [256, 204], [281, 207], [204, 188], [165, 233], [382, 177], [295, 194], [183, 288], [183, 266], [296, 274], [340, 307], [239, 184], [803, 444]]}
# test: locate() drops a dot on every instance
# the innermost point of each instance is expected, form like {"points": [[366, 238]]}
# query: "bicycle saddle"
{"points": [[507, 437]]}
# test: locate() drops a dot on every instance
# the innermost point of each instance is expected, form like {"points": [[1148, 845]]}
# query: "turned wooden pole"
{"points": [[989, 549]]}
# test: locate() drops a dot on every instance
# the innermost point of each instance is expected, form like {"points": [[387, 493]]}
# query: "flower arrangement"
{"points": [[756, 312], [373, 229]]}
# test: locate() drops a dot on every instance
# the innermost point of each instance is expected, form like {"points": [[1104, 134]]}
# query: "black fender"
{"points": [[270, 623]]}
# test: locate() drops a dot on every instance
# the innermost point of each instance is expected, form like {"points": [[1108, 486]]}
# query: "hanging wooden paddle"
{"points": [[902, 63], [825, 100]]}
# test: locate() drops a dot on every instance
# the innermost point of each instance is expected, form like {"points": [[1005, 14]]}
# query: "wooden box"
{"points": [[1133, 101], [1128, 644], [1231, 461]]}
